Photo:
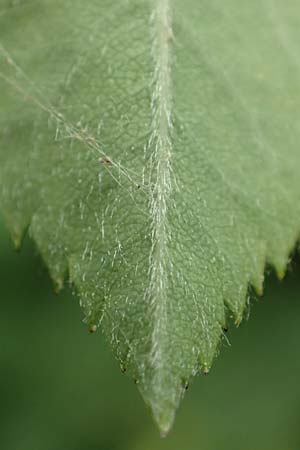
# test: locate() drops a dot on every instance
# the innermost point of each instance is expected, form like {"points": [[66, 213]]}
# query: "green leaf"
{"points": [[152, 148]]}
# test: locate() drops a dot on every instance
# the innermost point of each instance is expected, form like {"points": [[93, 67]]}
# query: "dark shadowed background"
{"points": [[61, 389]]}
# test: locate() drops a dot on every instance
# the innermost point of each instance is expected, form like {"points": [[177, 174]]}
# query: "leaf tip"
{"points": [[280, 274], [164, 421], [162, 396]]}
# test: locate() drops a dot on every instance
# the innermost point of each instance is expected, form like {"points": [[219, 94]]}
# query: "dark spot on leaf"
{"points": [[105, 160]]}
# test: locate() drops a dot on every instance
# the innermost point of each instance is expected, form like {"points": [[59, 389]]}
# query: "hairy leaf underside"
{"points": [[152, 149]]}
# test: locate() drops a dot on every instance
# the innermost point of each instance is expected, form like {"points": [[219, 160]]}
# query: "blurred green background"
{"points": [[61, 389]]}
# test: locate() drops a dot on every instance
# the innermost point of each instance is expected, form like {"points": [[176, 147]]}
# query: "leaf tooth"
{"points": [[17, 232], [17, 241], [259, 289], [281, 274], [92, 328], [58, 284]]}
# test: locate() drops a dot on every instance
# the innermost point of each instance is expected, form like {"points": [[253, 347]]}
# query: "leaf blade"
{"points": [[159, 183]]}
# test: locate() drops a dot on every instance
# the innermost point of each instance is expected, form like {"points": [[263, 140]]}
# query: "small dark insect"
{"points": [[93, 328], [105, 160], [225, 329]]}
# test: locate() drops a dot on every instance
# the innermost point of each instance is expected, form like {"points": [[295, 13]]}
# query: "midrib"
{"points": [[161, 147]]}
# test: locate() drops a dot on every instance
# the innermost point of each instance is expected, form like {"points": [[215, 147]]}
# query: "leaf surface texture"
{"points": [[152, 149]]}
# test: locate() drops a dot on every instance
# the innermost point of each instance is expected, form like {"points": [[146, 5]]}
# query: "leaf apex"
{"points": [[162, 393], [164, 420]]}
